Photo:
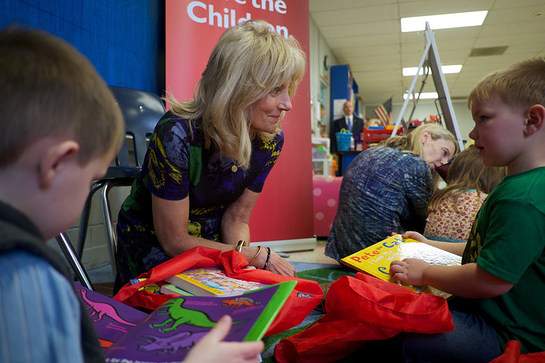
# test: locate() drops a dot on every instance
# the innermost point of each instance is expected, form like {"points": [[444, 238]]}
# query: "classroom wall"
{"points": [[124, 39], [318, 50]]}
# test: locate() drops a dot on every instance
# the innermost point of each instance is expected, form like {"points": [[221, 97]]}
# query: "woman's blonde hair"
{"points": [[467, 172], [248, 62], [411, 142]]}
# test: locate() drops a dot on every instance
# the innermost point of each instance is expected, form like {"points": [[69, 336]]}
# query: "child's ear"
{"points": [[54, 159], [535, 119]]}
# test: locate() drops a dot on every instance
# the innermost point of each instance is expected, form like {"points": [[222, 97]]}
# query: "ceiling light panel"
{"points": [[443, 21], [423, 96], [411, 71]]}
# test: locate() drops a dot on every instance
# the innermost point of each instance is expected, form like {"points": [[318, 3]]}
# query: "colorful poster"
{"points": [[284, 208]]}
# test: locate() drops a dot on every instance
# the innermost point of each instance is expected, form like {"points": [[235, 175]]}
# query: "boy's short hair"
{"points": [[520, 86], [48, 88]]}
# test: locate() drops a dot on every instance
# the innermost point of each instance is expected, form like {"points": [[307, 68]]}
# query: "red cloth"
{"points": [[360, 309], [303, 299], [512, 355]]}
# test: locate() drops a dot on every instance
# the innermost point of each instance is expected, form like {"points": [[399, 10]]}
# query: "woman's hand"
{"points": [[276, 264], [211, 348], [280, 266]]}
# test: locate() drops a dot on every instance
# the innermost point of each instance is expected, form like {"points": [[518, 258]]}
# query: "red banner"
{"points": [[284, 208]]}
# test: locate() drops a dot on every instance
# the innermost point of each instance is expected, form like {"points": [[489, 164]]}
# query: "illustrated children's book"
{"points": [[211, 281], [169, 332], [170, 289], [111, 319], [376, 259]]}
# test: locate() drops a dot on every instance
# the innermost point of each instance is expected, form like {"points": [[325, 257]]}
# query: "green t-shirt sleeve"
{"points": [[514, 240]]}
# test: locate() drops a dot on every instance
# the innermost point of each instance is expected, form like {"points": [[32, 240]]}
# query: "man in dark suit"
{"points": [[349, 121]]}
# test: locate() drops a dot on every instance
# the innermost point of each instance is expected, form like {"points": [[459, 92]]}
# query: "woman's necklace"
{"points": [[234, 168]]}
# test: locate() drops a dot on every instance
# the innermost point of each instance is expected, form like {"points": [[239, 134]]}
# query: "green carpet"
{"points": [[321, 273]]}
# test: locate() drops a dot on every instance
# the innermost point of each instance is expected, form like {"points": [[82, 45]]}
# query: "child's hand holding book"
{"points": [[410, 271], [211, 348]]}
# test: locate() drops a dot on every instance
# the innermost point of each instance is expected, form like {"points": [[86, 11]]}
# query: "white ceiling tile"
{"points": [[367, 35]]}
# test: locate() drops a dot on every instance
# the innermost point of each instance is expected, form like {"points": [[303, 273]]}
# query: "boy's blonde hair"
{"points": [[412, 141], [47, 89], [519, 86], [467, 172], [247, 63]]}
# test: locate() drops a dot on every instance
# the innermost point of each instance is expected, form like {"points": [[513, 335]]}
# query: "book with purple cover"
{"points": [[111, 319], [169, 332]]}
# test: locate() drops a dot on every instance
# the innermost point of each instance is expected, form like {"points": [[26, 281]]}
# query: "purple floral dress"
{"points": [[177, 166]]}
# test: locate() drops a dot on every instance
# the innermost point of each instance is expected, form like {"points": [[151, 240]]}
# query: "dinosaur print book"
{"points": [[211, 281], [169, 332], [111, 319]]}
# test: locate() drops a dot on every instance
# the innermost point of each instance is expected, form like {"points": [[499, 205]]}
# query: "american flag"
{"points": [[383, 112]]}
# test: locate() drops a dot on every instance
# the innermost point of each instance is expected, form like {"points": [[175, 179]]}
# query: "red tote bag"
{"points": [[512, 355], [302, 300], [364, 308]]}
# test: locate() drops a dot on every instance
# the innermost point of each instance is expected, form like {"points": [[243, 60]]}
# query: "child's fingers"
{"points": [[414, 235], [396, 267], [219, 332], [248, 350]]}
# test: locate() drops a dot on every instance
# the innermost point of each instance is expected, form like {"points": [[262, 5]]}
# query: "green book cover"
{"points": [[271, 310]]}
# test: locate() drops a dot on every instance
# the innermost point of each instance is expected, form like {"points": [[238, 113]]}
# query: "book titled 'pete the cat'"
{"points": [[376, 259]]}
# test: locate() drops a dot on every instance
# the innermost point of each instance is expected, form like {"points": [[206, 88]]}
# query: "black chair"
{"points": [[74, 261], [141, 111]]}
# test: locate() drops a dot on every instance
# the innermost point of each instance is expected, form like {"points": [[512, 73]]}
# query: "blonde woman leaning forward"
{"points": [[209, 157], [387, 189]]}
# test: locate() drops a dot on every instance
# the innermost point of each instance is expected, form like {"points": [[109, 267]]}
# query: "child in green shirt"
{"points": [[500, 287]]}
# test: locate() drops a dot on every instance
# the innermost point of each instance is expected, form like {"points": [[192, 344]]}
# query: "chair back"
{"points": [[141, 111]]}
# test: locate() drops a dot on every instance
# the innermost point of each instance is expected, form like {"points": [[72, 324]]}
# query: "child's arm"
{"points": [[469, 280], [453, 247]]}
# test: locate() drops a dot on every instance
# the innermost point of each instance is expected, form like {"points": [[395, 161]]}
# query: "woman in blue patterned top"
{"points": [[387, 189], [208, 157]]}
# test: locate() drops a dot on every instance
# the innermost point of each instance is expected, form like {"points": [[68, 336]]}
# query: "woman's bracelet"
{"points": [[257, 254], [240, 244], [268, 258]]}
